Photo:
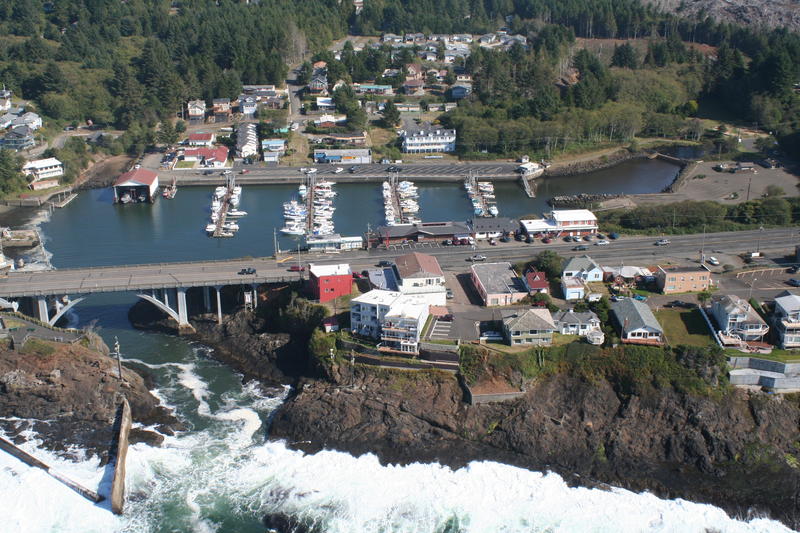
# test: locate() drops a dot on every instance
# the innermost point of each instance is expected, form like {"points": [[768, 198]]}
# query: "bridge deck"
{"points": [[141, 277]]}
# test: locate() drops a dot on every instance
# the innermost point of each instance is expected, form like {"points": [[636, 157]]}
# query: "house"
{"points": [[201, 139], [420, 232], [493, 227], [421, 274], [272, 157], [214, 157], [29, 119], [427, 55], [325, 103], [408, 108], [573, 288], [319, 82], [460, 91], [248, 105], [273, 102], [6, 120], [330, 324], [414, 87], [583, 267], [414, 71], [273, 145], [328, 282], [570, 322], [636, 323], [43, 169], [19, 138], [428, 141], [528, 326], [368, 88], [575, 221], [536, 282], [221, 109], [395, 318], [489, 38], [196, 111], [497, 283], [786, 320], [461, 38], [390, 73], [5, 99], [330, 121], [736, 318], [361, 156], [137, 185], [246, 140], [391, 38], [415, 37], [355, 139], [671, 280]]}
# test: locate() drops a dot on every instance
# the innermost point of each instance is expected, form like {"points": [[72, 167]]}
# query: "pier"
{"points": [[63, 199], [219, 215], [529, 189], [481, 194]]}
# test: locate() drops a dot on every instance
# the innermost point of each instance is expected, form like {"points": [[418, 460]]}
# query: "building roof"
{"points": [[443, 229], [538, 225], [139, 176], [536, 318], [417, 265], [633, 314], [354, 153], [733, 304], [201, 137], [483, 225], [219, 153], [683, 269], [788, 301], [569, 316], [580, 263], [536, 279], [498, 278], [569, 215], [342, 269], [376, 297], [627, 271], [41, 163]]}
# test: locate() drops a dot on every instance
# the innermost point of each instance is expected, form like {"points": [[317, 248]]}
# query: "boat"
{"points": [[494, 211], [226, 234], [293, 230], [302, 190], [235, 213], [211, 228], [230, 226], [125, 198]]}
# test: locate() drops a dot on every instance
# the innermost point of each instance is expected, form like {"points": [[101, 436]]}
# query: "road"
{"points": [[639, 251]]}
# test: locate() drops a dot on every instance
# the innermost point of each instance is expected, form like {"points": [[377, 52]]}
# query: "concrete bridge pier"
{"points": [[207, 299], [43, 309], [160, 298], [217, 288]]}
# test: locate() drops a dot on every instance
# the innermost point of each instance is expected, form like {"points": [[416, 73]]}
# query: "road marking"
{"points": [[284, 260]]}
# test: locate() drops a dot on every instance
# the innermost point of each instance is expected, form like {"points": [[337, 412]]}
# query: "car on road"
{"points": [[580, 248], [312, 170], [477, 257], [492, 335], [662, 242], [450, 294], [384, 263], [297, 268], [602, 243], [712, 261], [247, 271], [352, 169], [338, 170], [393, 169], [303, 169], [295, 126], [547, 240], [794, 282]]}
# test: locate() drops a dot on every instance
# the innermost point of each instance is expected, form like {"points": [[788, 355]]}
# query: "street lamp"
{"points": [[750, 293], [758, 244]]}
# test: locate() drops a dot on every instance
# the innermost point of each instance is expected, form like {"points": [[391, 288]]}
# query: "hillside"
{"points": [[768, 13]]}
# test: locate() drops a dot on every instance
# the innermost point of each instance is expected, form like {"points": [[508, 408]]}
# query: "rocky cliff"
{"points": [[69, 394], [737, 451], [768, 13]]}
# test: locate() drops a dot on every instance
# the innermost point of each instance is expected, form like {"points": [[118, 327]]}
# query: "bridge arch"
{"points": [[161, 305], [61, 310]]}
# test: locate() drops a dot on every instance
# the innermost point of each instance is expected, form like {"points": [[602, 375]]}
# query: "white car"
{"points": [[602, 243], [712, 261], [337, 170], [295, 126], [311, 170], [303, 169]]}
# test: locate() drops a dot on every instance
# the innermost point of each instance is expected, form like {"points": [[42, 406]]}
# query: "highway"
{"points": [[641, 251]]}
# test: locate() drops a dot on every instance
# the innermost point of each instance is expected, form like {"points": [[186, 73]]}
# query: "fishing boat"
{"points": [[236, 213], [211, 228]]}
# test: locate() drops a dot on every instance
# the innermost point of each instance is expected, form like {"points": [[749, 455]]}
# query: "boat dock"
{"points": [[225, 200], [481, 195], [529, 189], [63, 199], [319, 205], [400, 202]]}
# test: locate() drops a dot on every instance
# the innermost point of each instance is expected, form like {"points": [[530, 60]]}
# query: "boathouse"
{"points": [[137, 185]]}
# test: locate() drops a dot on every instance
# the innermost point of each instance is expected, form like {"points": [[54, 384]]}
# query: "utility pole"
{"points": [[749, 182], [703, 246], [119, 361], [750, 292], [275, 249], [673, 219], [758, 243]]}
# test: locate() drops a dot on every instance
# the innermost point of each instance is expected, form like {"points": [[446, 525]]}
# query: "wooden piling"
{"points": [[118, 483]]}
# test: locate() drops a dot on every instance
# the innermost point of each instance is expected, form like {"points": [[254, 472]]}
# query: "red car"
{"points": [[297, 268], [547, 240]]}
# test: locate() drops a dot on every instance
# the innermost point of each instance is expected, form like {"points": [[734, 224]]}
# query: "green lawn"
{"points": [[185, 164], [684, 326], [784, 356]]}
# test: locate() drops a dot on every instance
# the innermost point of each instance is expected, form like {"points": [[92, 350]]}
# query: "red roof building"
{"points": [[201, 139], [328, 282], [537, 282], [137, 185], [211, 157]]}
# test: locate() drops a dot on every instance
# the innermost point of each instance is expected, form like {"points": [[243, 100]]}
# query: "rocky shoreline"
{"points": [[68, 395], [737, 452]]}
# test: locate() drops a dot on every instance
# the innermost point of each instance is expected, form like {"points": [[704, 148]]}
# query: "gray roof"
{"points": [[789, 301], [499, 278], [537, 318], [633, 314], [443, 229], [583, 262], [571, 317], [482, 225]]}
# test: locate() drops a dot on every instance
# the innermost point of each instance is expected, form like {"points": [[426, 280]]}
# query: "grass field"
{"points": [[185, 164], [684, 326], [298, 143]]}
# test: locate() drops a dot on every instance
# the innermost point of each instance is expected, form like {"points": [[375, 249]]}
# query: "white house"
{"points": [[395, 318], [421, 274], [41, 169], [30, 119], [583, 267], [737, 318], [248, 105], [201, 139], [562, 222], [636, 322], [325, 103], [5, 99], [425, 141], [246, 140], [573, 288], [787, 319]]}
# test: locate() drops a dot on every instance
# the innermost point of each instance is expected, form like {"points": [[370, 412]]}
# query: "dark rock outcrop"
{"points": [[731, 452], [69, 394]]}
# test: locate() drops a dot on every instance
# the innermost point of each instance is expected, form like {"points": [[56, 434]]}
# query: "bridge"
{"points": [[51, 293]]}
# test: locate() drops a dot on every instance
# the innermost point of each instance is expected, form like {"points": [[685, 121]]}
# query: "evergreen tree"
{"points": [[391, 115]]}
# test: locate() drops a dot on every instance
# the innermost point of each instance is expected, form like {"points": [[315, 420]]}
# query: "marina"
{"points": [[481, 195], [401, 205], [311, 213], [224, 204]]}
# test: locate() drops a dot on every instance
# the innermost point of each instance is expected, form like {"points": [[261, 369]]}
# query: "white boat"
{"points": [[235, 213], [494, 211], [211, 228], [293, 230], [226, 234], [302, 190]]}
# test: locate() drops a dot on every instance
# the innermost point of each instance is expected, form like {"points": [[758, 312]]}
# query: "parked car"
{"points": [[613, 236], [602, 243], [505, 238], [547, 240], [580, 248], [247, 271], [356, 275], [297, 268], [385, 161], [567, 239], [793, 269], [528, 239], [450, 294], [492, 242], [600, 236], [712, 261], [477, 257], [662, 242], [587, 237], [640, 297], [384, 263], [794, 282], [679, 303], [616, 298]]}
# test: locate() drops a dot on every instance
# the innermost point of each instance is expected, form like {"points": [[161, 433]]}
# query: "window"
{"points": [[517, 341]]}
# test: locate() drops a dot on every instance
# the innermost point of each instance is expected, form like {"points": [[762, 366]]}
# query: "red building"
{"points": [[329, 281]]}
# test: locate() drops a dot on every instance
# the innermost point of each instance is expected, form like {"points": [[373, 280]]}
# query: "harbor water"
{"points": [[224, 474]]}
